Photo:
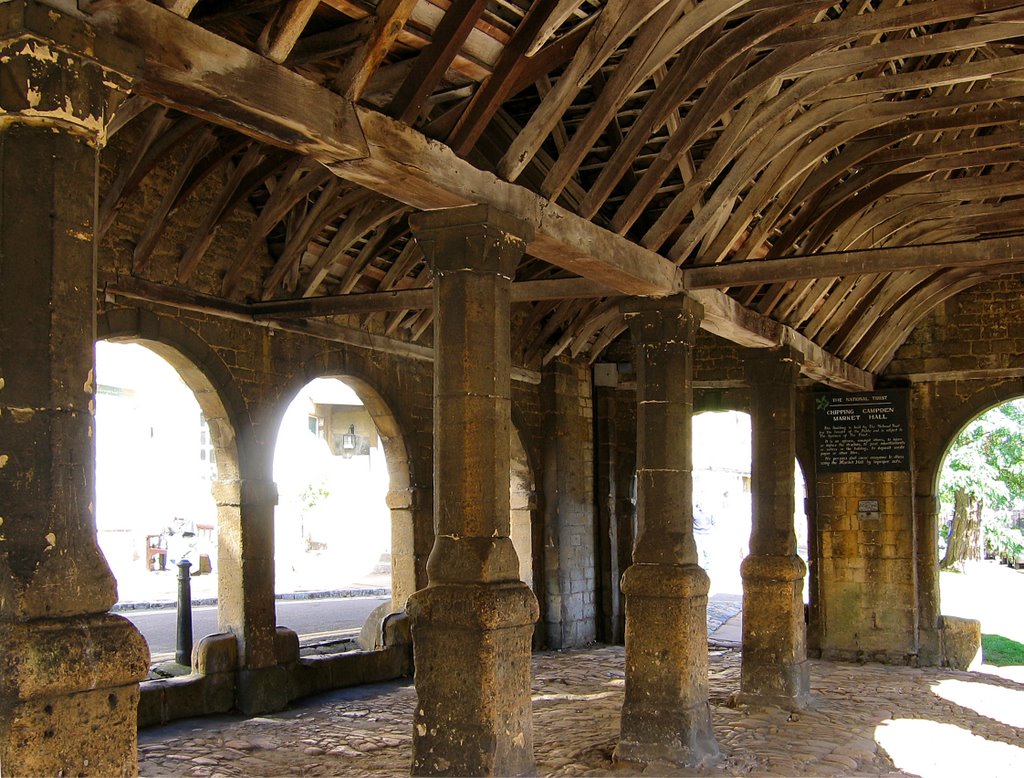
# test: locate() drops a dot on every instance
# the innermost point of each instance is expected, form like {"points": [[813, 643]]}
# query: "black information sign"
{"points": [[857, 433]]}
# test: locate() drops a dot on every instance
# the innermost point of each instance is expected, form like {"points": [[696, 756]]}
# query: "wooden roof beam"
{"points": [[881, 260], [200, 73]]}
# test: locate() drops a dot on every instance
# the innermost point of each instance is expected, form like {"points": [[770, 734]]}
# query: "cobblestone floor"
{"points": [[869, 720]]}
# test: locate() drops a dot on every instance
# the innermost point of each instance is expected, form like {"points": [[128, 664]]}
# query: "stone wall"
{"points": [[569, 609]]}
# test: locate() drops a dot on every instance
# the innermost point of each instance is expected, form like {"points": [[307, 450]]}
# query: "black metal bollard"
{"points": [[183, 645]]}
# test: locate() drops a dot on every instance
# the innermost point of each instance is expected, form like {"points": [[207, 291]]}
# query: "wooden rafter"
{"points": [[390, 19], [433, 61], [283, 30]]}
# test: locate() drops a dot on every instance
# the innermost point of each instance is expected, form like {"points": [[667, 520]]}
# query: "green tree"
{"points": [[984, 468]]}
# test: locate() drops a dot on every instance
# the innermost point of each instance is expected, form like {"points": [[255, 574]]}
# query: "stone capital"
{"points": [[53, 76], [473, 238]]}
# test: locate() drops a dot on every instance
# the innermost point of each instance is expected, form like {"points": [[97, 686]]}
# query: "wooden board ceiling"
{"points": [[817, 173]]}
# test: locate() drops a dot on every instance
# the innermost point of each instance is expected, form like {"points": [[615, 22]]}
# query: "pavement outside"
{"points": [[140, 589]]}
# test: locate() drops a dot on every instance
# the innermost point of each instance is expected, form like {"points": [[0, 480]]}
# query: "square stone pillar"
{"points": [[472, 625], [246, 604], [69, 671], [665, 715], [774, 664]]}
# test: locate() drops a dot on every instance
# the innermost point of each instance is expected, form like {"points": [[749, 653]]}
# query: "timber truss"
{"points": [[817, 174]]}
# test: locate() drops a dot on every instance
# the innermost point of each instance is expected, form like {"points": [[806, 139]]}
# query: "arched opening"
{"points": [[343, 524], [980, 543], [522, 501], [163, 441], [722, 500]]}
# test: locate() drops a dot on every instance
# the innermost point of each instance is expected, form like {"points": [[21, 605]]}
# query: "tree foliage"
{"points": [[983, 469]]}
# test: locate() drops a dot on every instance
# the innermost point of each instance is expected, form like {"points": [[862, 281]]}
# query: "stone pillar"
{"points": [[246, 605], [472, 625], [665, 715], [69, 671], [568, 501], [774, 665]]}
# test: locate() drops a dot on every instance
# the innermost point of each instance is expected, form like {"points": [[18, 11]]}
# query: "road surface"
{"points": [[312, 619]]}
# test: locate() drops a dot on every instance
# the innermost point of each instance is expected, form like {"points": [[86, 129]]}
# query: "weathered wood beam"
{"points": [[433, 61], [148, 291], [881, 260], [197, 71], [976, 374], [390, 19], [492, 93], [726, 318], [283, 30], [180, 7], [413, 299]]}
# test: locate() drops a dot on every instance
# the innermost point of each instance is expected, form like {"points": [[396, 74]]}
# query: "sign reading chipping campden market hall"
{"points": [[863, 432]]}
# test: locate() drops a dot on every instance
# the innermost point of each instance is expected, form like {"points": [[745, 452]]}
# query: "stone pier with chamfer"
{"points": [[69, 671], [472, 626], [774, 670], [665, 714]]}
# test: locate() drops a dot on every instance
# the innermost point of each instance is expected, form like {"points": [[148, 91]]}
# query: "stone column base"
{"points": [[665, 716], [472, 646], [69, 692], [774, 667]]}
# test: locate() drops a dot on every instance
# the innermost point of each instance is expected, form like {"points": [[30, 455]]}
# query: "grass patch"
{"points": [[1000, 651]]}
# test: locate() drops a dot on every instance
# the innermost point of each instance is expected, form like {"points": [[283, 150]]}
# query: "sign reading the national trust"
{"points": [[864, 432]]}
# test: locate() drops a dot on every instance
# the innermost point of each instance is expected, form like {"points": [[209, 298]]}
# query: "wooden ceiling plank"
{"points": [[284, 28], [432, 62], [333, 202], [731, 86], [618, 20], [391, 16], [879, 309], [404, 262]]}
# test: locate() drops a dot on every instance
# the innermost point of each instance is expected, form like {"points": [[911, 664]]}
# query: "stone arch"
{"points": [[224, 410], [940, 411], [967, 410], [199, 367], [401, 491]]}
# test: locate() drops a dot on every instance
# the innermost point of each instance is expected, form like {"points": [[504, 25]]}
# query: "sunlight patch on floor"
{"points": [[994, 702], [934, 750]]}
